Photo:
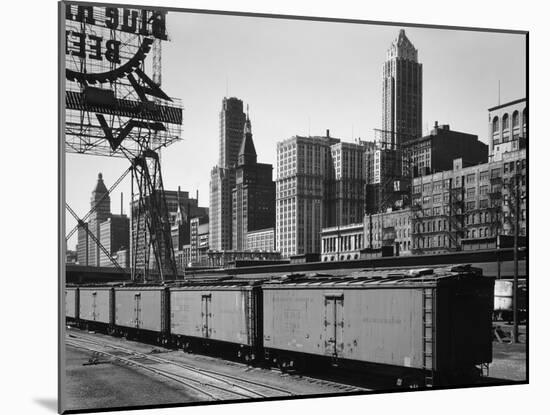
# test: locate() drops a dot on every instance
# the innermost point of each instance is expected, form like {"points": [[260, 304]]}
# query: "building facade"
{"points": [[261, 240], [303, 184], [199, 237], [342, 243], [507, 128], [223, 176], [401, 93], [114, 236], [347, 197], [253, 197], [391, 228], [100, 205], [469, 202], [436, 151]]}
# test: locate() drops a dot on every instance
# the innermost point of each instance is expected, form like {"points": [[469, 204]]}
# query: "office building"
{"points": [[390, 228], [100, 205], [401, 93], [261, 240], [436, 151], [342, 243], [346, 200], [253, 197], [114, 236], [223, 176], [469, 202], [507, 128], [304, 176]]}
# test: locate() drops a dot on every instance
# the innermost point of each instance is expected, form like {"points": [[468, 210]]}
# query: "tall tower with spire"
{"points": [[222, 176], [401, 93], [88, 251], [253, 197], [100, 198]]}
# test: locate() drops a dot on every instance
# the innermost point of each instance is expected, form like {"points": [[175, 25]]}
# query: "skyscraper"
{"points": [[232, 118], [347, 200], [253, 196], [101, 201], [401, 93], [304, 177], [112, 231], [222, 179]]}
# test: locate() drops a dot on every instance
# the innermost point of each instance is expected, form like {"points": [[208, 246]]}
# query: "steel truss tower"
{"points": [[114, 109]]}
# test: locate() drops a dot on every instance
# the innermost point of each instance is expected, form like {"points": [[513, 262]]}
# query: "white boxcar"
{"points": [[96, 304], [141, 307], [438, 322], [224, 312], [71, 302]]}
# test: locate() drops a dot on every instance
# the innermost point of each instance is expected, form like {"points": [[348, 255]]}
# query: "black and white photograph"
{"points": [[267, 207]]}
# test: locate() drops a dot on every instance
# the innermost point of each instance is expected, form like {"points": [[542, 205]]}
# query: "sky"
{"points": [[302, 78]]}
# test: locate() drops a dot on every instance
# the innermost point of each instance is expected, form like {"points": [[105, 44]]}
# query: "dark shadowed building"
{"points": [[436, 151], [254, 194]]}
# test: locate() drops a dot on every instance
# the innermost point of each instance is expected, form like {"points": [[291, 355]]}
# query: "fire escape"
{"points": [[455, 230], [417, 223], [495, 206]]}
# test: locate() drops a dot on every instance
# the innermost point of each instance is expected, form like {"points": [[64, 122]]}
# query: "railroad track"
{"points": [[212, 384]]}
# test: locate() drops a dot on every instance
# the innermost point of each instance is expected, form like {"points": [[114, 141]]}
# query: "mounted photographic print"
{"points": [[260, 207]]}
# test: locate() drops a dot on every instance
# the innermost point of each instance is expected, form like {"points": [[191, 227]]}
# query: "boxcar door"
{"points": [[334, 324], [94, 306], [137, 310], [206, 314]]}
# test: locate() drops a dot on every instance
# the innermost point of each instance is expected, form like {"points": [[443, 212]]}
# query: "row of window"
{"points": [[505, 122]]}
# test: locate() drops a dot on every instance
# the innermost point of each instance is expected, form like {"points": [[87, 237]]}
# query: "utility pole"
{"points": [[516, 234]]}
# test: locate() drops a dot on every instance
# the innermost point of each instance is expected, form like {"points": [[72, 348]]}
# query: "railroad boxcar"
{"points": [[424, 329], [223, 316], [96, 307], [141, 311], [71, 304]]}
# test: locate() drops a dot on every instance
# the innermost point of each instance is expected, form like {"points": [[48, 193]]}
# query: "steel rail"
{"points": [[162, 372], [205, 372]]}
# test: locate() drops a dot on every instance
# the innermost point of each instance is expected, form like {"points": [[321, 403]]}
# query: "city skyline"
{"points": [[326, 94]]}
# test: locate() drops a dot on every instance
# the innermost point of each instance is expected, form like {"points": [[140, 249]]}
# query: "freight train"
{"points": [[426, 326]]}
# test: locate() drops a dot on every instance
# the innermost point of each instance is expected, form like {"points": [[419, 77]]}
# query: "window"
{"points": [[471, 193], [515, 119], [495, 125], [483, 204], [471, 205], [505, 122], [484, 175], [471, 178]]}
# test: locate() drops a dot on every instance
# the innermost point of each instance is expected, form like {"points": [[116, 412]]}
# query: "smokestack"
{"points": [[197, 197], [328, 133]]}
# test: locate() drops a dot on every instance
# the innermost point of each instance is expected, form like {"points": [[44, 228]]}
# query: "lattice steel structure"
{"points": [[115, 109]]}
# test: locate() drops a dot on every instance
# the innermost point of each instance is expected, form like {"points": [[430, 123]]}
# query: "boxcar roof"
{"points": [[392, 278]]}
